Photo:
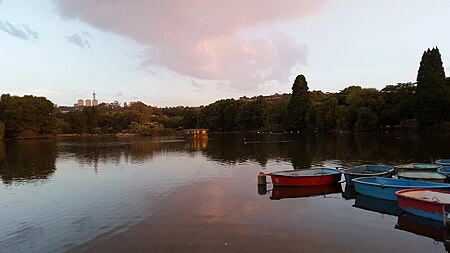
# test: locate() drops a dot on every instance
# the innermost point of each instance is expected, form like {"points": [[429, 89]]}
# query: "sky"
{"points": [[195, 52]]}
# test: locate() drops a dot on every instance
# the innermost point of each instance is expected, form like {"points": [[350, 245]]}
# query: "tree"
{"points": [[191, 117], [91, 117], [399, 103], [2, 130], [361, 110], [299, 104], [275, 116], [76, 122], [431, 101], [27, 116]]}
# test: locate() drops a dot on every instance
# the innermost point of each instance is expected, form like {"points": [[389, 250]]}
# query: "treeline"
{"points": [[26, 117], [423, 104]]}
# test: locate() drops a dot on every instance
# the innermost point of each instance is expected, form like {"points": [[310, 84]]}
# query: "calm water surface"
{"points": [[133, 194]]}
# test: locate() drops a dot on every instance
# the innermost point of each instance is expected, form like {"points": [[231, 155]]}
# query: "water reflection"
{"points": [[280, 192], [178, 196], [349, 192], [421, 226], [313, 149], [381, 206], [405, 221], [111, 149], [424, 227], [196, 143], [27, 160]]}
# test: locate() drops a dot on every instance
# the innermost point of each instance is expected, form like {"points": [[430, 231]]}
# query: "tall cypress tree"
{"points": [[299, 104], [432, 93]]}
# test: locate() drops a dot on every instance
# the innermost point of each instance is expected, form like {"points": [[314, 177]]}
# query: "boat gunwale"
{"points": [[334, 172], [391, 170], [438, 175], [445, 169], [417, 166], [400, 193]]}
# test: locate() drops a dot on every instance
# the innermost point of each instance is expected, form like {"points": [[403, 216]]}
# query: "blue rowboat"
{"points": [[430, 176], [417, 166], [443, 162], [446, 171], [385, 188], [367, 171], [427, 203]]}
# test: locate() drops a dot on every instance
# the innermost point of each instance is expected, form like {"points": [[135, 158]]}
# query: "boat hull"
{"points": [[367, 171], [429, 176], [385, 188], [446, 171], [444, 162], [431, 209], [306, 177]]}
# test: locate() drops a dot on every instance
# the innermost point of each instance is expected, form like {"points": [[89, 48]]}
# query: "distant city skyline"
{"points": [[191, 53]]}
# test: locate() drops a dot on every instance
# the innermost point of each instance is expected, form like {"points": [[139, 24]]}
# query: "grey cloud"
{"points": [[80, 39], [196, 84], [20, 31], [120, 94]]}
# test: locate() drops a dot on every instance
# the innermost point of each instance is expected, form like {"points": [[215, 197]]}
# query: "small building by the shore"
{"points": [[196, 133]]}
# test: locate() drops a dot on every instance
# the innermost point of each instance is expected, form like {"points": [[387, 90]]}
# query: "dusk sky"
{"points": [[194, 52]]}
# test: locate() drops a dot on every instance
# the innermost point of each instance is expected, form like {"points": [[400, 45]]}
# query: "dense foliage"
{"points": [[432, 98], [27, 116], [424, 104]]}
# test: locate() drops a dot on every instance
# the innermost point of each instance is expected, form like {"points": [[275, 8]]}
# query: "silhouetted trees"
{"points": [[299, 104], [352, 109]]}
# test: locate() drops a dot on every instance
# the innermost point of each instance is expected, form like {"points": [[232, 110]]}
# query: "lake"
{"points": [[142, 194]]}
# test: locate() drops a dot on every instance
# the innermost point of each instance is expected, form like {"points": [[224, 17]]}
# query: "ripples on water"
{"points": [[103, 194]]}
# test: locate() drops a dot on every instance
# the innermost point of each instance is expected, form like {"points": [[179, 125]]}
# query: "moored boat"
{"points": [[427, 203], [446, 171], [429, 176], [445, 162], [306, 177], [385, 188], [366, 171], [417, 167]]}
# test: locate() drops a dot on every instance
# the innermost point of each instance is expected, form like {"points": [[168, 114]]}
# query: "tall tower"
{"points": [[94, 100]]}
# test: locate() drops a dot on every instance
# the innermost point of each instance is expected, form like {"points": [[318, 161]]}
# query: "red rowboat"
{"points": [[428, 203], [306, 177]]}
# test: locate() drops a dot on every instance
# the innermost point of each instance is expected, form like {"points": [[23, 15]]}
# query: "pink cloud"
{"points": [[198, 37]]}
